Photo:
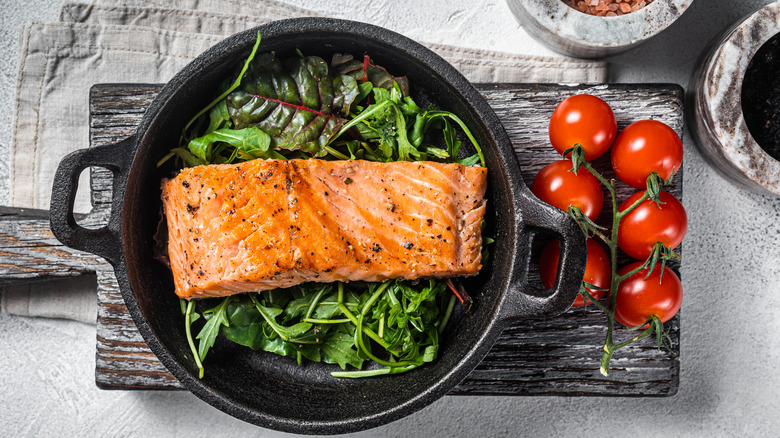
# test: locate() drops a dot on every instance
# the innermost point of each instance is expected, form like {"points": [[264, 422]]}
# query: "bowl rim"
{"points": [[718, 101], [567, 23]]}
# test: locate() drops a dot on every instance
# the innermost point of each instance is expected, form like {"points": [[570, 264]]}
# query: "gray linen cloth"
{"points": [[135, 41]]}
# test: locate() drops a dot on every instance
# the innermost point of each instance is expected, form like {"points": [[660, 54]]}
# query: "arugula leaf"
{"points": [[339, 349], [405, 149], [286, 333], [453, 145], [218, 115], [245, 325], [216, 317], [189, 159], [365, 89], [469, 161]]}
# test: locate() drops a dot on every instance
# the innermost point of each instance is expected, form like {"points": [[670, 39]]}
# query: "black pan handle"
{"points": [[526, 299], [106, 241]]}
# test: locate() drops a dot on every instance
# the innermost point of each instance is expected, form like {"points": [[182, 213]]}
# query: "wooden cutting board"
{"points": [[556, 356]]}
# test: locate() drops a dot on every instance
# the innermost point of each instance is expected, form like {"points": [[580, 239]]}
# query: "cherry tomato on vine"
{"points": [[598, 271], [648, 223], [583, 119], [645, 147], [557, 185], [639, 298]]}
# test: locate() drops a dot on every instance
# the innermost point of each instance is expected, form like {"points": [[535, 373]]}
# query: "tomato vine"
{"points": [[660, 253]]}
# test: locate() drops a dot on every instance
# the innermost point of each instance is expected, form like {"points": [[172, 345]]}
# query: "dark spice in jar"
{"points": [[607, 8], [761, 97]]}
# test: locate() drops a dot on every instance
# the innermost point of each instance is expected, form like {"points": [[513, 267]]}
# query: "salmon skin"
{"points": [[266, 224]]}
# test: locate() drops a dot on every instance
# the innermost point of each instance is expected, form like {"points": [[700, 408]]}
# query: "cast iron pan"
{"points": [[273, 391]]}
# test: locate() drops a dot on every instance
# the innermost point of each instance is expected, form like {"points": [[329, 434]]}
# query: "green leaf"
{"points": [[366, 70], [286, 333], [189, 159], [431, 352], [365, 89], [453, 145], [436, 152], [218, 115], [245, 325], [251, 142], [409, 107], [381, 95], [326, 308], [217, 317], [469, 161], [339, 348], [405, 149], [296, 101], [225, 93]]}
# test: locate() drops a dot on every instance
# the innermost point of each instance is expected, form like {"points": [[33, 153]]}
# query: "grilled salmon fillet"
{"points": [[265, 224]]}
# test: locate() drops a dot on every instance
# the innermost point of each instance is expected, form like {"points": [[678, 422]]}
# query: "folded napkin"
{"points": [[135, 41]]}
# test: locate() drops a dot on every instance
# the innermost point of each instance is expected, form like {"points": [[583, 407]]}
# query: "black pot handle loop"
{"points": [[529, 300], [106, 241]]}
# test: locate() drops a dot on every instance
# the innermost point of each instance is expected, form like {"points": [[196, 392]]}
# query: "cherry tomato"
{"points": [[638, 298], [645, 147], [557, 185], [586, 120], [597, 269], [648, 223]]}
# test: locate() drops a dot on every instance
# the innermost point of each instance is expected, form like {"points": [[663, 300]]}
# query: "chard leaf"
{"points": [[365, 70], [251, 142], [297, 102]]}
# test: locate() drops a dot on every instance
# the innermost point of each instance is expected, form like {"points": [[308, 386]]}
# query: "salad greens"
{"points": [[303, 107]]}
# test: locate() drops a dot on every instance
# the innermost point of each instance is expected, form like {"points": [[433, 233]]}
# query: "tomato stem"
{"points": [[654, 324], [588, 298], [636, 204]]}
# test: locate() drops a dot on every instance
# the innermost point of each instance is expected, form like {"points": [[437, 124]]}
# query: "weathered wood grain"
{"points": [[30, 252], [558, 356]]}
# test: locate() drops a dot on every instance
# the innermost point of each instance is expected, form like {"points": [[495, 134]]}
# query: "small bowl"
{"points": [[571, 32], [715, 106]]}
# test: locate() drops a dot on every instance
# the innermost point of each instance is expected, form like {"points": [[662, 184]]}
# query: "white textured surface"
{"points": [[729, 381]]}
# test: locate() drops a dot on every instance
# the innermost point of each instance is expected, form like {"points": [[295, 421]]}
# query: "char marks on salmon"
{"points": [[266, 224]]}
